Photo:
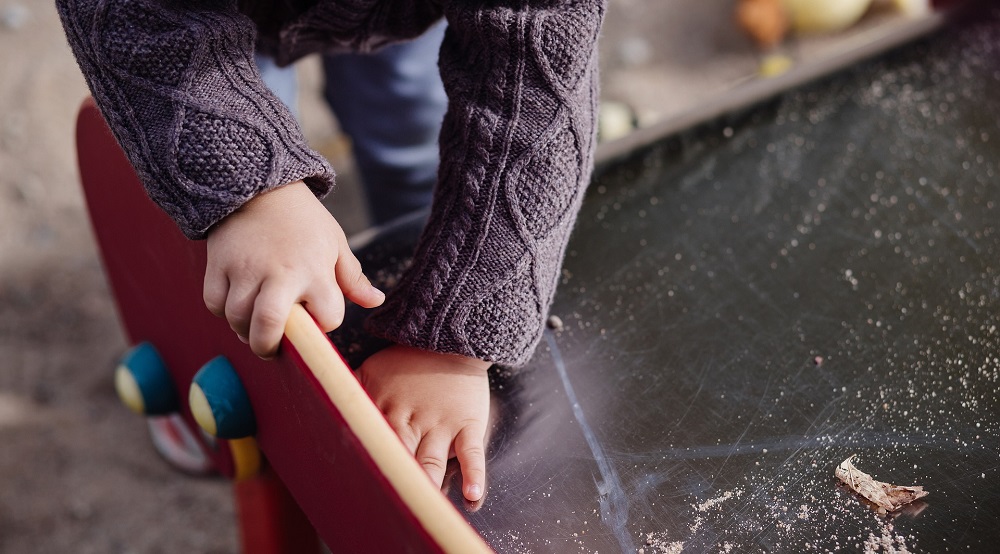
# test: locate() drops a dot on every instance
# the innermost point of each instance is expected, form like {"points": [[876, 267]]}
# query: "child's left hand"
{"points": [[438, 404]]}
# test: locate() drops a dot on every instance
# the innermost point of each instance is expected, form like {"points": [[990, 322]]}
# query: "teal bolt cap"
{"points": [[227, 400], [144, 383]]}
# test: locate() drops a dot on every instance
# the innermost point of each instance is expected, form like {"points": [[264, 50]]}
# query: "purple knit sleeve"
{"points": [[516, 153], [177, 84]]}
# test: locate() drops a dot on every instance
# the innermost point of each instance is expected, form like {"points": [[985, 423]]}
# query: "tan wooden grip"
{"points": [[438, 517]]}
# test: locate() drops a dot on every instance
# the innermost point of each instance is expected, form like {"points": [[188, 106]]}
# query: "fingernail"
{"points": [[379, 294], [243, 339], [475, 491]]}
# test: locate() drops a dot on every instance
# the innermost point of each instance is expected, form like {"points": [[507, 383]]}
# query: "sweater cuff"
{"points": [[516, 153], [501, 325], [180, 90]]}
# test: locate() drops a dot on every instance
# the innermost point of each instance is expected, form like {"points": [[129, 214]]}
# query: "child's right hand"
{"points": [[280, 248]]}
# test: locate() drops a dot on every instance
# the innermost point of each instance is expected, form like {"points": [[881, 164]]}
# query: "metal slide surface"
{"points": [[748, 303]]}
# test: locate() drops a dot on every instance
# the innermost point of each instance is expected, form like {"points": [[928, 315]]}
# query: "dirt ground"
{"points": [[77, 470]]}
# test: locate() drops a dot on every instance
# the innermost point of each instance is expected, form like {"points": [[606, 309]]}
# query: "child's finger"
{"points": [[401, 425], [214, 292], [270, 313], [326, 305], [239, 306], [432, 454], [472, 457], [353, 282]]}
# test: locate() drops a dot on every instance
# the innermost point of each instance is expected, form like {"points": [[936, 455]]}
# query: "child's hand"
{"points": [[280, 248], [438, 404]]}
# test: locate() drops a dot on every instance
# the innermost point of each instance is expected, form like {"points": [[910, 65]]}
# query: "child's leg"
{"points": [[391, 104]]}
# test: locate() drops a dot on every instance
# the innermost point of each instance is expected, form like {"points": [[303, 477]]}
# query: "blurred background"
{"points": [[77, 470]]}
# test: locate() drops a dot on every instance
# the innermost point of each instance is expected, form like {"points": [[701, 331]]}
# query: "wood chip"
{"points": [[888, 498]]}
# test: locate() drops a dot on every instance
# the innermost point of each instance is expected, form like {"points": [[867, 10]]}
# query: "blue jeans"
{"points": [[390, 103]]}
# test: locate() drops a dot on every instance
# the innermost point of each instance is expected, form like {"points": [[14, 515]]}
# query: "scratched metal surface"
{"points": [[750, 303]]}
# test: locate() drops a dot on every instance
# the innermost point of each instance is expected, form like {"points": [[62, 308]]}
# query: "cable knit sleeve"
{"points": [[516, 153], [177, 84]]}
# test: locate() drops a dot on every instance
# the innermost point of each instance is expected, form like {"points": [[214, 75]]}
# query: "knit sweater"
{"points": [[176, 81]]}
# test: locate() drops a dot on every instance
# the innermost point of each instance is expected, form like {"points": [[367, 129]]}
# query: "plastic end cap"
{"points": [[225, 402], [128, 390], [201, 410], [149, 386]]}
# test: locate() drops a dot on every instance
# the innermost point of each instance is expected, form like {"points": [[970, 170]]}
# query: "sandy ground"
{"points": [[77, 471]]}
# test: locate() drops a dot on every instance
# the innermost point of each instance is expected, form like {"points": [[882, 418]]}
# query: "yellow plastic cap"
{"points": [[200, 409], [128, 390]]}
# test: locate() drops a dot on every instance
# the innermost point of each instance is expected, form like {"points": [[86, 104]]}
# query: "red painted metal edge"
{"points": [[156, 277]]}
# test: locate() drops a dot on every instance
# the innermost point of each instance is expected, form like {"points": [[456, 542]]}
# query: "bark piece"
{"points": [[887, 497]]}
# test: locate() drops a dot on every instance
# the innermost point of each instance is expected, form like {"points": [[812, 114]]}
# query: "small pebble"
{"points": [[555, 323]]}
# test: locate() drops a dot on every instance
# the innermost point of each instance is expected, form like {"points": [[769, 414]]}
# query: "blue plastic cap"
{"points": [[226, 398], [150, 376]]}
